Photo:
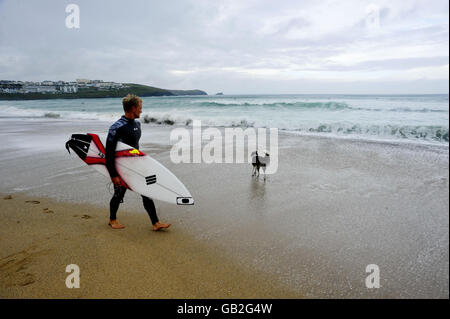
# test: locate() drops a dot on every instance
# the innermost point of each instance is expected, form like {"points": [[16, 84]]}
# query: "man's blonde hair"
{"points": [[129, 101]]}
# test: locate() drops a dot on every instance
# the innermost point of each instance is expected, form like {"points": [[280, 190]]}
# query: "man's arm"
{"points": [[110, 156]]}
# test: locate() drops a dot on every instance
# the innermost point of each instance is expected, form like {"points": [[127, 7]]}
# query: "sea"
{"points": [[411, 118]]}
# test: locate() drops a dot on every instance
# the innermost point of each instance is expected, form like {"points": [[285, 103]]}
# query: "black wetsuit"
{"points": [[127, 131]]}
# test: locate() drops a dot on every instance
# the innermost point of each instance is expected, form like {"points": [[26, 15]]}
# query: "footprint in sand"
{"points": [[27, 280], [33, 201], [47, 211], [14, 268], [86, 216], [8, 197]]}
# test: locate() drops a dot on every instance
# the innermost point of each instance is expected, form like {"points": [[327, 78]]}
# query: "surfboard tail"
{"points": [[80, 144], [90, 149]]}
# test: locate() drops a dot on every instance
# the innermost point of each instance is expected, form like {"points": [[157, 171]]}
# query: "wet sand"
{"points": [[310, 230]]}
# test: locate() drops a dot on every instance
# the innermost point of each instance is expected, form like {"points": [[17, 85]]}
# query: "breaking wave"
{"points": [[400, 109], [425, 133], [409, 132], [332, 105], [421, 119], [52, 115], [306, 105]]}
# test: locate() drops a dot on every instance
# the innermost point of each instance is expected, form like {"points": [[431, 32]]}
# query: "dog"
{"points": [[260, 162]]}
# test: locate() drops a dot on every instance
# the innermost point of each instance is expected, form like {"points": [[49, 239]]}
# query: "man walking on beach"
{"points": [[126, 130]]}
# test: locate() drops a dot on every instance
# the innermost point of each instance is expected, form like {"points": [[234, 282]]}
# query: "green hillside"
{"points": [[85, 93]]}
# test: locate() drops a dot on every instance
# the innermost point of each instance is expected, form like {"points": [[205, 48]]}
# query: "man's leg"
{"points": [[149, 206], [119, 193]]}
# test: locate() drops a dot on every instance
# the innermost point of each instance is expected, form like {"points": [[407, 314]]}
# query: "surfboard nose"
{"points": [[185, 201]]}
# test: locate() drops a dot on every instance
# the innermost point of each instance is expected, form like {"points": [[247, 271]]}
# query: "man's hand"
{"points": [[116, 181]]}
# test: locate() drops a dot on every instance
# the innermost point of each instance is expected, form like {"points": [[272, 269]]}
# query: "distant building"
{"points": [[10, 86], [105, 84], [47, 86], [8, 90], [69, 89], [40, 89], [83, 81]]}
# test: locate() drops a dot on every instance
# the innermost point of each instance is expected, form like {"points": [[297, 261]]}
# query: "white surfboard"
{"points": [[138, 171]]}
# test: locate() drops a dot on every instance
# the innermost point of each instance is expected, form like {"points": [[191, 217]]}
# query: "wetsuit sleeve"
{"points": [[110, 156], [140, 133]]}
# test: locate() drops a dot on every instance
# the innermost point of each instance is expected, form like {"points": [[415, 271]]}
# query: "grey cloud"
{"points": [[145, 41], [390, 64]]}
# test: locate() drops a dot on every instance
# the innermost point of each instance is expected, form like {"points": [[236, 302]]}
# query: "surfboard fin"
{"points": [[67, 146]]}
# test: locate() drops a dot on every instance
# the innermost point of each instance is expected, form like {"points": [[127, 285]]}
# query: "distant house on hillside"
{"points": [[39, 89]]}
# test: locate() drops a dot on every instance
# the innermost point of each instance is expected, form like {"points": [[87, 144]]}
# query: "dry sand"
{"points": [[40, 237]]}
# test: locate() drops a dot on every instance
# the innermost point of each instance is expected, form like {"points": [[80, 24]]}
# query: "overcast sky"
{"points": [[235, 47]]}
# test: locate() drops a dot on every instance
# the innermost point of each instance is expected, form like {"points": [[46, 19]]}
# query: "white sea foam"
{"points": [[414, 118]]}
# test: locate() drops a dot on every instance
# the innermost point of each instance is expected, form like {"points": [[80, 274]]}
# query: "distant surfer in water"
{"points": [[126, 130]]}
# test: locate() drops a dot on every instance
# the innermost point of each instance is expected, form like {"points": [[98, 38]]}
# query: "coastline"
{"points": [[333, 207], [89, 92]]}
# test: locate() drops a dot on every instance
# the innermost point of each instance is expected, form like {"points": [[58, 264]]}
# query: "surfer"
{"points": [[128, 131]]}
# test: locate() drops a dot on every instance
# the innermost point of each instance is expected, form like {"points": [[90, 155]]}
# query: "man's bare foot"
{"points": [[160, 225], [115, 224]]}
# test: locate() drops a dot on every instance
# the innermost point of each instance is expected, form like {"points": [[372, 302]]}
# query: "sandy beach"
{"points": [[40, 237], [334, 207]]}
